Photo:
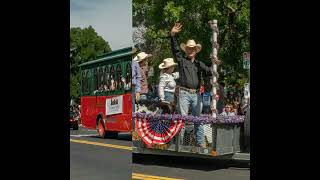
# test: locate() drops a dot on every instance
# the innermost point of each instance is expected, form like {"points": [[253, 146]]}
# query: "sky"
{"points": [[112, 19]]}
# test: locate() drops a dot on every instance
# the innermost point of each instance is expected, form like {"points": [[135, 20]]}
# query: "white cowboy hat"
{"points": [[191, 43], [142, 56], [167, 63]]}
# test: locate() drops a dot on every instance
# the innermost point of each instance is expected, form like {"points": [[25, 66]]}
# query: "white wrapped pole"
{"points": [[208, 131], [214, 27]]}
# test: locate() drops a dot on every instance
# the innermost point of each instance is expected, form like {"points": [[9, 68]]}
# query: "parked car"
{"points": [[74, 124]]}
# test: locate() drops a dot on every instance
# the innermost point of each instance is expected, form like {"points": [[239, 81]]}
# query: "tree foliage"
{"points": [[158, 16], [85, 45]]}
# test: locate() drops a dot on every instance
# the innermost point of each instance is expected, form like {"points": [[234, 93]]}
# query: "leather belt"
{"points": [[192, 91]]}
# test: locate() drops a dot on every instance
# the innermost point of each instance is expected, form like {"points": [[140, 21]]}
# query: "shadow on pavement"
{"points": [[125, 137], [90, 132], [188, 162]]}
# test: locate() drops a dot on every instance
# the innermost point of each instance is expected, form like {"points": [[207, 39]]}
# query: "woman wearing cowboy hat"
{"points": [[190, 70], [167, 84]]}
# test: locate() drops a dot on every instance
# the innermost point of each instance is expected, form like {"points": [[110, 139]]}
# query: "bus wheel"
{"points": [[101, 129]]}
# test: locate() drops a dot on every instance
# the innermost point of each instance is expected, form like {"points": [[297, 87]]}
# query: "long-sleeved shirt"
{"points": [[136, 76], [190, 72], [167, 83], [144, 79]]}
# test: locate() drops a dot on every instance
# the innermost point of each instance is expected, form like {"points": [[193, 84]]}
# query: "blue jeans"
{"points": [[185, 101], [143, 97], [133, 93], [168, 96]]}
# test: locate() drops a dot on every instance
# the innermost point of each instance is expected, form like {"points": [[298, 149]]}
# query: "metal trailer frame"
{"points": [[236, 156], [225, 145]]}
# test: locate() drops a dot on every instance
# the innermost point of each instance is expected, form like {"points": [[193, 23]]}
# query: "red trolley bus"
{"points": [[106, 93]]}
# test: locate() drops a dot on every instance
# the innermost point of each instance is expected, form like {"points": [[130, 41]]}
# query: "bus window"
{"points": [[95, 77], [112, 79], [106, 79], [88, 82], [83, 83], [119, 78], [128, 77], [100, 78], [102, 72]]}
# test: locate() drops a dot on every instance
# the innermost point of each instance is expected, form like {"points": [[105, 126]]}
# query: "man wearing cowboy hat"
{"points": [[136, 79], [142, 59], [188, 88]]}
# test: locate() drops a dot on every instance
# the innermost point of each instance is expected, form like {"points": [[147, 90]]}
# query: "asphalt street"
{"points": [[90, 160], [94, 158]]}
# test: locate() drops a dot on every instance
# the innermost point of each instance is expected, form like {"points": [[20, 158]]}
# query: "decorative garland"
{"points": [[216, 29], [203, 119], [215, 73], [216, 60], [215, 45], [215, 84]]}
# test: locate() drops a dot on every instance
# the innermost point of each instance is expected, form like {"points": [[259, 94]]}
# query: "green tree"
{"points": [[85, 45], [158, 16]]}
